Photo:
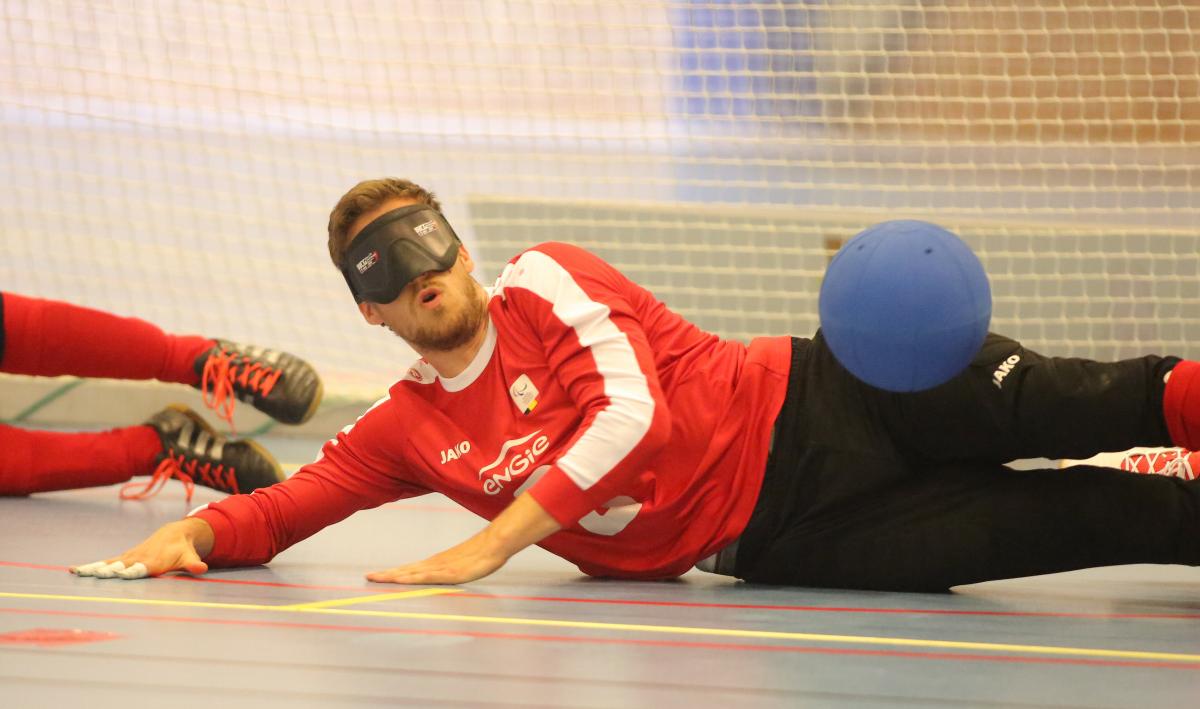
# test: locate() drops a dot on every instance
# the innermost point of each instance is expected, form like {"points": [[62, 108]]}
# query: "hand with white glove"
{"points": [[178, 546]]}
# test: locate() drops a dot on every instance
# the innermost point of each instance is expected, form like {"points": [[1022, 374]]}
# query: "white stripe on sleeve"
{"points": [[619, 428]]}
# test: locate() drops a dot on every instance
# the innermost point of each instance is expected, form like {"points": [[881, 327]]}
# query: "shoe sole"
{"points": [[316, 402]]}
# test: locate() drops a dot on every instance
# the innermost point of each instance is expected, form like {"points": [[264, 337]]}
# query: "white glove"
{"points": [[109, 570]]}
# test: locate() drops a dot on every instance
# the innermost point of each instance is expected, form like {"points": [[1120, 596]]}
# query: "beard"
{"points": [[449, 332]]}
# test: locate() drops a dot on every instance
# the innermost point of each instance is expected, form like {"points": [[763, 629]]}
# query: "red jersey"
{"points": [[643, 436]]}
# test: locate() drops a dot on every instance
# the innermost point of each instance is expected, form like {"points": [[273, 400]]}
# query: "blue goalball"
{"points": [[905, 305]]}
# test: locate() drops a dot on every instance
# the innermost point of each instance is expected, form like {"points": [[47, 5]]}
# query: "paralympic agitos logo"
{"points": [[517, 464]]}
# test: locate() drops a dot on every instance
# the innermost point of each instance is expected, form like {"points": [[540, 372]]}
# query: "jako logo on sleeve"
{"points": [[519, 463], [1005, 367]]}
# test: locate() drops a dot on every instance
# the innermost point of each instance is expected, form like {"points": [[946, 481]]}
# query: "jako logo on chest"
{"points": [[455, 452]]}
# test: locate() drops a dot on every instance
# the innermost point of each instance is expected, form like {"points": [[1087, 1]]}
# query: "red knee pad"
{"points": [[1181, 405]]}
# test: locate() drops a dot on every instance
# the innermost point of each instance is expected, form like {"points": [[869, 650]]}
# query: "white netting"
{"points": [[177, 159]]}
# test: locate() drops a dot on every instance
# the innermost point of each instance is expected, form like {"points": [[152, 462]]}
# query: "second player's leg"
{"points": [[961, 525], [1012, 402], [51, 338]]}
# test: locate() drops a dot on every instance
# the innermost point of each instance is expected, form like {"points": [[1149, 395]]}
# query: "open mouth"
{"points": [[429, 297]]}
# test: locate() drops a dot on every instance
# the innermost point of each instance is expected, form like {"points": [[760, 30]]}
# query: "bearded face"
{"points": [[444, 311], [438, 311]]}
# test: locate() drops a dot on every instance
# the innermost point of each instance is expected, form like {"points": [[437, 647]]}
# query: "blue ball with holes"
{"points": [[905, 305]]}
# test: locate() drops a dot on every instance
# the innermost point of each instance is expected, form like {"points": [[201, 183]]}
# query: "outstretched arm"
{"points": [[247, 530], [178, 546], [521, 524]]}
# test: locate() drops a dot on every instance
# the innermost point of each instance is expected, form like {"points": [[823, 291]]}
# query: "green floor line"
{"points": [[46, 400]]}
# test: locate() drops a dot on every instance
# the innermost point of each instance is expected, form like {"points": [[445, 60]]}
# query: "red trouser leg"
{"points": [[51, 338], [42, 461]]}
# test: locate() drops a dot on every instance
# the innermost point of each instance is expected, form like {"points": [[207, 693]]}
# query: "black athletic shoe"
{"points": [[280, 385], [197, 455]]}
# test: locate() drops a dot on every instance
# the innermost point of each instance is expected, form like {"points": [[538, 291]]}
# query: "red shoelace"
{"points": [[224, 372], [189, 472]]}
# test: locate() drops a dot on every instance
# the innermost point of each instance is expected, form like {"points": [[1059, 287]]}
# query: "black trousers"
{"points": [[908, 492]]}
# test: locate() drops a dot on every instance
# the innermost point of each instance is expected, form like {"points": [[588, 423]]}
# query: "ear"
{"points": [[465, 257], [370, 313]]}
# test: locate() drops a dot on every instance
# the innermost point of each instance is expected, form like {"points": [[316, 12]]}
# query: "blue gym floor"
{"points": [[309, 631]]}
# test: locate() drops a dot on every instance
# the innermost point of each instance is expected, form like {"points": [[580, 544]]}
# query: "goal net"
{"points": [[177, 160]]}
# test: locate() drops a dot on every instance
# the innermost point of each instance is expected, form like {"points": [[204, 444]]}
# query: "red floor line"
{"points": [[212, 579], [365, 588], [680, 644], [673, 604], [23, 565]]}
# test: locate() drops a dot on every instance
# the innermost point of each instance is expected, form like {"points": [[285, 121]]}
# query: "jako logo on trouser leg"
{"points": [[1005, 367]]}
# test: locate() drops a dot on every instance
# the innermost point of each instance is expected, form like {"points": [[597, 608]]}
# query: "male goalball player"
{"points": [[575, 411]]}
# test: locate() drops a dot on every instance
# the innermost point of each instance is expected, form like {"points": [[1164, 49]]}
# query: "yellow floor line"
{"points": [[654, 629], [140, 601], [368, 599]]}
